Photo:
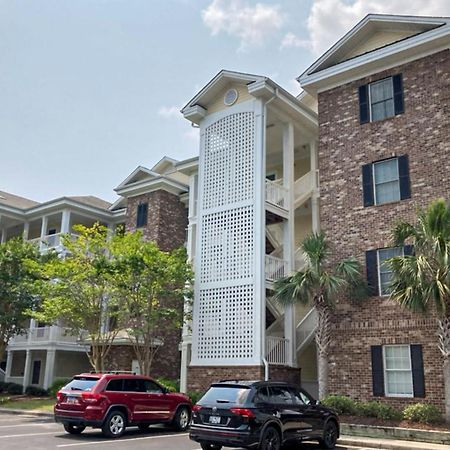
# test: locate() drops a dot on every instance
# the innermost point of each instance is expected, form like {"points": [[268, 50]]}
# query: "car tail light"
{"points": [[59, 396], [196, 408], [89, 397], [243, 412]]}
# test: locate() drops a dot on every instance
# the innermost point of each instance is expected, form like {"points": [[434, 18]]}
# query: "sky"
{"points": [[91, 89]]}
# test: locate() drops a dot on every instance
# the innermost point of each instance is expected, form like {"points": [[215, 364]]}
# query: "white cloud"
{"points": [[169, 112], [291, 40], [329, 20], [252, 24], [193, 134]]}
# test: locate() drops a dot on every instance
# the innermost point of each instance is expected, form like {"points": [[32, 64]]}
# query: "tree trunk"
{"points": [[444, 347], [323, 338]]}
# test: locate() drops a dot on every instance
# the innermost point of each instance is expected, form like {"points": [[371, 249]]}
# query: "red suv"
{"points": [[114, 401]]}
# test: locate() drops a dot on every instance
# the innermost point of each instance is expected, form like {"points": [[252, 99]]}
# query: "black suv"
{"points": [[260, 414]]}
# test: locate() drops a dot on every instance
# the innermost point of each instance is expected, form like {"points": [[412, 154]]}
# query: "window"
{"points": [[397, 370], [115, 385], [386, 181], [151, 387], [300, 398], [280, 394], [142, 214], [379, 275], [381, 99], [384, 271]]}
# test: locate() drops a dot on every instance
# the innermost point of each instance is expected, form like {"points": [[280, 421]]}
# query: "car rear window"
{"points": [[236, 395], [81, 384]]}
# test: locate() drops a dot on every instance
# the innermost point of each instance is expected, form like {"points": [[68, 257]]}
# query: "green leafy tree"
{"points": [[421, 281], [16, 288], [152, 285], [318, 286], [77, 291]]}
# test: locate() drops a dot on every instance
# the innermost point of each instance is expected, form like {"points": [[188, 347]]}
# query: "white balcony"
{"points": [[50, 241], [44, 336], [277, 350], [276, 194], [276, 268]]}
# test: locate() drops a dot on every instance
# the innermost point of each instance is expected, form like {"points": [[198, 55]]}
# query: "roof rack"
{"points": [[225, 381], [116, 372]]}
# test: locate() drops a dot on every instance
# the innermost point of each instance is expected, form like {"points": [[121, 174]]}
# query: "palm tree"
{"points": [[318, 286], [422, 281]]}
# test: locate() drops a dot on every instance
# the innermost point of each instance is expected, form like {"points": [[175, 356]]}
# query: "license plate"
{"points": [[71, 400], [214, 419]]}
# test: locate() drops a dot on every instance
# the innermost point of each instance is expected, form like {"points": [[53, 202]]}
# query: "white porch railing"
{"points": [[50, 241], [44, 335], [277, 350], [276, 194], [276, 268], [306, 329]]}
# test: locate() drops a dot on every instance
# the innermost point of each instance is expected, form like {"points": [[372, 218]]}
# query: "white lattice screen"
{"points": [[225, 298]]}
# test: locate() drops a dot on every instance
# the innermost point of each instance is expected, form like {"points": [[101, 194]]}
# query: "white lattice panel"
{"points": [[229, 161], [226, 323], [227, 245]]}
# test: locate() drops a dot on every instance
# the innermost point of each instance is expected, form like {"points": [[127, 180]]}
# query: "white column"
{"points": [[3, 238], [27, 370], [44, 226], [185, 353], [315, 195], [289, 231], [65, 221], [26, 230], [49, 368], [9, 360]]}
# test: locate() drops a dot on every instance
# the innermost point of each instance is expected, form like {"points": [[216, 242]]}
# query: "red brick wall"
{"points": [[422, 132], [200, 377]]}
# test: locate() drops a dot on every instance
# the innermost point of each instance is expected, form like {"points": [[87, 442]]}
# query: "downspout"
{"points": [[271, 99]]}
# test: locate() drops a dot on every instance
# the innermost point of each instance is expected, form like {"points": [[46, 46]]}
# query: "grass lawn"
{"points": [[29, 403]]}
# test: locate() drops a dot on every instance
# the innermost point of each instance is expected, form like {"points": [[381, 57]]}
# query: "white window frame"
{"points": [[379, 267], [370, 98], [385, 371], [374, 182]]}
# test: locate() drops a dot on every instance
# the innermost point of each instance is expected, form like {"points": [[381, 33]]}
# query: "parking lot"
{"points": [[18, 432]]}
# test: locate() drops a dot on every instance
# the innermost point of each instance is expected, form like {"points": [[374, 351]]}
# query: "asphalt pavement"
{"points": [[21, 432]]}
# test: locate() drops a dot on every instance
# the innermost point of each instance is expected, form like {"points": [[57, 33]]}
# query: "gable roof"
{"points": [[15, 201], [91, 200], [138, 174], [403, 37]]}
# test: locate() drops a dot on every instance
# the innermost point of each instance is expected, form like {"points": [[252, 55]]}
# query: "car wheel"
{"points": [[206, 446], [270, 439], [330, 434], [74, 429], [144, 426], [182, 419], [114, 425]]}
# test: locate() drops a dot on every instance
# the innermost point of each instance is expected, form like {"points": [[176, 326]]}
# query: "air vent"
{"points": [[230, 97]]}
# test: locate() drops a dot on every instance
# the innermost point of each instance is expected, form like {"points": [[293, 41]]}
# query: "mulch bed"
{"points": [[358, 420]]}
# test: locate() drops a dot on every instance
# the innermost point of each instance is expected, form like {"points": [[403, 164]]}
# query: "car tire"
{"points": [[270, 439], [74, 429], [144, 427], [330, 434], [182, 419], [114, 425], [207, 446]]}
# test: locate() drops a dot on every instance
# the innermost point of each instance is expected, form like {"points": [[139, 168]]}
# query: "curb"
{"points": [[30, 412], [389, 444]]}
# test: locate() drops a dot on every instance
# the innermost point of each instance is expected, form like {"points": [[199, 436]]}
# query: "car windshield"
{"points": [[236, 395], [81, 384]]}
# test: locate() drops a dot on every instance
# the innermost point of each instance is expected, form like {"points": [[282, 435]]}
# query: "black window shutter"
{"points": [[372, 271], [403, 173], [364, 103], [142, 213], [417, 371], [367, 177], [377, 371], [397, 82], [408, 250]]}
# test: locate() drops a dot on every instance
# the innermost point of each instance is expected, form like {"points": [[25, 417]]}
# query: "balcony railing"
{"points": [[306, 329], [276, 194], [276, 268], [277, 350], [44, 335], [50, 241]]}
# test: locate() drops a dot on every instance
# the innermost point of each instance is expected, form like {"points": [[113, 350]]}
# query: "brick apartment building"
{"points": [[364, 145]]}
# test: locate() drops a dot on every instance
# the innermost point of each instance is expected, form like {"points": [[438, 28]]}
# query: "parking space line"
{"points": [[29, 424], [118, 441], [26, 435]]}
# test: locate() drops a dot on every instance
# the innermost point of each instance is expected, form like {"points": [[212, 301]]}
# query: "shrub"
{"points": [[423, 413], [341, 404], [36, 391], [14, 389], [4, 400], [171, 385], [378, 410], [57, 385], [195, 396]]}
